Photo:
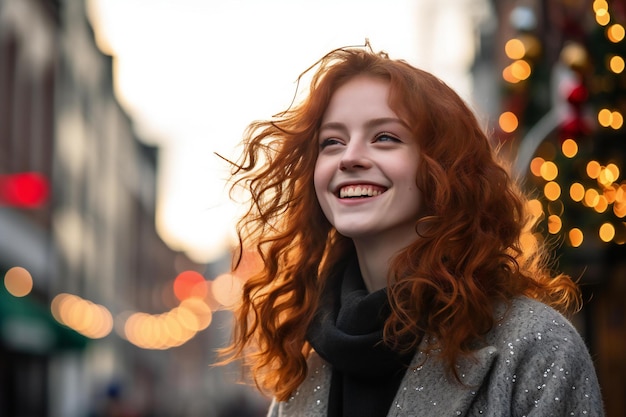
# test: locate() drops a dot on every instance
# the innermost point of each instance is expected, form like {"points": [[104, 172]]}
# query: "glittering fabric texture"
{"points": [[534, 364]]}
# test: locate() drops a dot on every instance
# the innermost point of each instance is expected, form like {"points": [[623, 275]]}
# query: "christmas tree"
{"points": [[564, 105]]}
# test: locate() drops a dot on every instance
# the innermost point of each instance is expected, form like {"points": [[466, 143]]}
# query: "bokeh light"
{"points": [[24, 190], [607, 232], [535, 166], [604, 117], [610, 193], [507, 75], [227, 289], [615, 33], [575, 237], [549, 171], [619, 209], [508, 122], [616, 64], [521, 70], [569, 147], [602, 12], [169, 329], [535, 208], [552, 191], [577, 192], [601, 205], [18, 281], [592, 197], [190, 284], [87, 318], [600, 6], [593, 169], [608, 175], [515, 49], [554, 224], [617, 120]]}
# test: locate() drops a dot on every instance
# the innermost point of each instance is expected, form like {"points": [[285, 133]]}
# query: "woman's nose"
{"points": [[354, 157]]}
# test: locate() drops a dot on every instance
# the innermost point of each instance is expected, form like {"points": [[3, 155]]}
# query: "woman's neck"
{"points": [[374, 257]]}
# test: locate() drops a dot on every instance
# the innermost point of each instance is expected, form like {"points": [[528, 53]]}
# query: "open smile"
{"points": [[360, 191]]}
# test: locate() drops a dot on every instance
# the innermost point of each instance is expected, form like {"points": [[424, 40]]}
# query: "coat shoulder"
{"points": [[311, 398]]}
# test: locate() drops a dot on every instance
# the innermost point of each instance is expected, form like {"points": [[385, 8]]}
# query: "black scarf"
{"points": [[347, 332]]}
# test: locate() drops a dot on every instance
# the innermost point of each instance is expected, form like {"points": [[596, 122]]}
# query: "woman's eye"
{"points": [[386, 137], [328, 142]]}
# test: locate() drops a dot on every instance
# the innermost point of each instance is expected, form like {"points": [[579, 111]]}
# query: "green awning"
{"points": [[28, 326]]}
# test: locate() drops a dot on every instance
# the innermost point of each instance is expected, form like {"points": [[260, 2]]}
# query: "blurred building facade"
{"points": [[88, 230], [557, 112], [92, 232]]}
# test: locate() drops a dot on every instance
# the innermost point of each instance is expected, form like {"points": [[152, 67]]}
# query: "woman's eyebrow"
{"points": [[385, 120], [333, 126], [369, 124]]}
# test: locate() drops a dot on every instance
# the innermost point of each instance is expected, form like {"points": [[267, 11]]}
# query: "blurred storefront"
{"points": [[77, 221], [29, 337], [558, 114], [550, 74]]}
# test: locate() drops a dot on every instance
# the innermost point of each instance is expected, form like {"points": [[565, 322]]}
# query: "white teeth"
{"points": [[358, 191]]}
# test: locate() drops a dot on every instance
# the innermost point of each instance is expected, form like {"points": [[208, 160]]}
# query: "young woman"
{"points": [[400, 277]]}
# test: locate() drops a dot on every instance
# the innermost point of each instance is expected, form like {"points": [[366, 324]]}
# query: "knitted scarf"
{"points": [[347, 332]]}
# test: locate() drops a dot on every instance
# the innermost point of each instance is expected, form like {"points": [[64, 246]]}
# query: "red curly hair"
{"points": [[470, 253]]}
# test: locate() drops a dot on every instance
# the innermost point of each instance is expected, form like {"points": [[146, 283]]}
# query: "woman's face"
{"points": [[367, 164]]}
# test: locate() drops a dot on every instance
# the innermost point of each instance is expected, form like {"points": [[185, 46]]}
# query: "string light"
{"points": [[603, 17], [600, 5], [520, 69], [615, 33], [508, 122], [569, 147], [554, 224], [549, 171], [619, 209], [601, 205], [606, 232], [552, 191], [577, 192], [508, 76], [617, 120], [85, 317], [591, 197], [535, 166], [18, 281], [605, 117], [515, 49], [616, 64], [608, 196], [593, 169], [576, 237], [198, 299]]}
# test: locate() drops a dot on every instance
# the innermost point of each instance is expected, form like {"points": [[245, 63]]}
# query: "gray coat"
{"points": [[534, 364]]}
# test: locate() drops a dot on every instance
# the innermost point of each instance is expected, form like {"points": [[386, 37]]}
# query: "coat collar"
{"points": [[426, 384]]}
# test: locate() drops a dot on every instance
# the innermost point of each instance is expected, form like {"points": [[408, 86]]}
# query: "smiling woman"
{"points": [[395, 280]]}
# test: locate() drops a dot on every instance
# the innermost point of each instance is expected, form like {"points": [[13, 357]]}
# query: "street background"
{"points": [[116, 228]]}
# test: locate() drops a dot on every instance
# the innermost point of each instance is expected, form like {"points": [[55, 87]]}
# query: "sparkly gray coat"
{"points": [[534, 364]]}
